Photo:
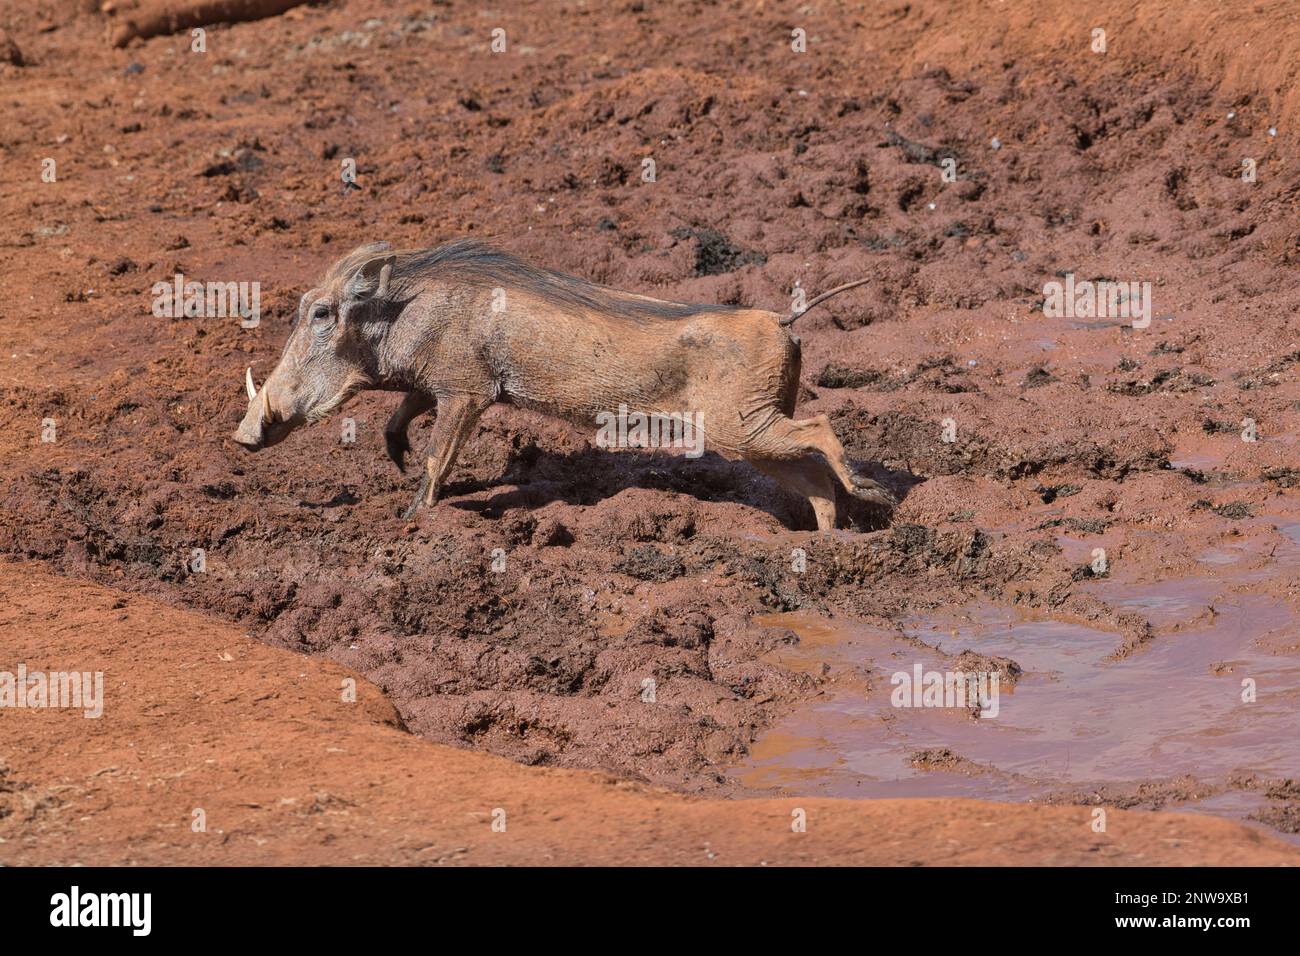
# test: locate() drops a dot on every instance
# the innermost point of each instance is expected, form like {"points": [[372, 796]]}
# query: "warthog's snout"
{"points": [[260, 427]]}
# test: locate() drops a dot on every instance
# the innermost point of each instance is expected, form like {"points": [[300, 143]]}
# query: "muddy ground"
{"points": [[771, 168], [254, 757]]}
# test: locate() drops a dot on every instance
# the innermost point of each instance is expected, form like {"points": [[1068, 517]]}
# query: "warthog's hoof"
{"points": [[419, 499], [398, 445], [864, 489], [424, 495]]}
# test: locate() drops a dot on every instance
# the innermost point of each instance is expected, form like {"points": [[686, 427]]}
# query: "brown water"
{"points": [[1075, 721]]}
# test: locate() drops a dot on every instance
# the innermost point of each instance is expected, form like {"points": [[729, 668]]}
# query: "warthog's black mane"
{"points": [[474, 261]]}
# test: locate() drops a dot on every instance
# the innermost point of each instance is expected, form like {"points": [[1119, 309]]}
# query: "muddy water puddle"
{"points": [[1076, 720]]}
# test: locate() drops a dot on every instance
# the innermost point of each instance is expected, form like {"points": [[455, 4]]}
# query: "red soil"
{"points": [[772, 168], [199, 716]]}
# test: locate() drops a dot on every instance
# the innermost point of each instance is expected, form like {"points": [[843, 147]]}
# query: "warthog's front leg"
{"points": [[457, 416], [396, 440]]}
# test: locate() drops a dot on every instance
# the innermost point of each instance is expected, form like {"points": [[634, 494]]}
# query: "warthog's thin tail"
{"points": [[789, 319]]}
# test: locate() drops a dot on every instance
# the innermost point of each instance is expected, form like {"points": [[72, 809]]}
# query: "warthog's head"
{"points": [[328, 358]]}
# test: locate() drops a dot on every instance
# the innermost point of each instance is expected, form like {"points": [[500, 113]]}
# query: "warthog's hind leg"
{"points": [[808, 477], [803, 455]]}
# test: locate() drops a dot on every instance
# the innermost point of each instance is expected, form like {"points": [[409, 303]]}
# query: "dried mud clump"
{"points": [[945, 760], [651, 564], [1008, 671], [715, 255]]}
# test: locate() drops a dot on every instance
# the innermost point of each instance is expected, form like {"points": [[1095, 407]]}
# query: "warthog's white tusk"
{"points": [[248, 383]]}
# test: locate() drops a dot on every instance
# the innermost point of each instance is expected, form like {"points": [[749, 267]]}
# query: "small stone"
{"points": [[9, 52], [550, 533]]}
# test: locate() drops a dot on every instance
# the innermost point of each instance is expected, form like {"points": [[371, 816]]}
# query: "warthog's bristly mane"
{"points": [[476, 262]]}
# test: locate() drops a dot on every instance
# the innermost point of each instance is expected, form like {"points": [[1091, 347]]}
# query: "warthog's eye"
{"points": [[321, 319]]}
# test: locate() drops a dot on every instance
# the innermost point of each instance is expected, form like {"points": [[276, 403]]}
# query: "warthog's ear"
{"points": [[371, 279]]}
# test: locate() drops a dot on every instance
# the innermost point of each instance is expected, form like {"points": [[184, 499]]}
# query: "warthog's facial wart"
{"points": [[326, 360]]}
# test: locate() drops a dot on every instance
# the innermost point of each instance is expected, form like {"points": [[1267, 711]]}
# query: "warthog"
{"points": [[463, 326]]}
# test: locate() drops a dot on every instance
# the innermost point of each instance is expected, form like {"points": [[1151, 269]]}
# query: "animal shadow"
{"points": [[591, 475]]}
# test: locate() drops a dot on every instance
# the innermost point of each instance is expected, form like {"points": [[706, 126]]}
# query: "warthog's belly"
{"points": [[721, 366]]}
